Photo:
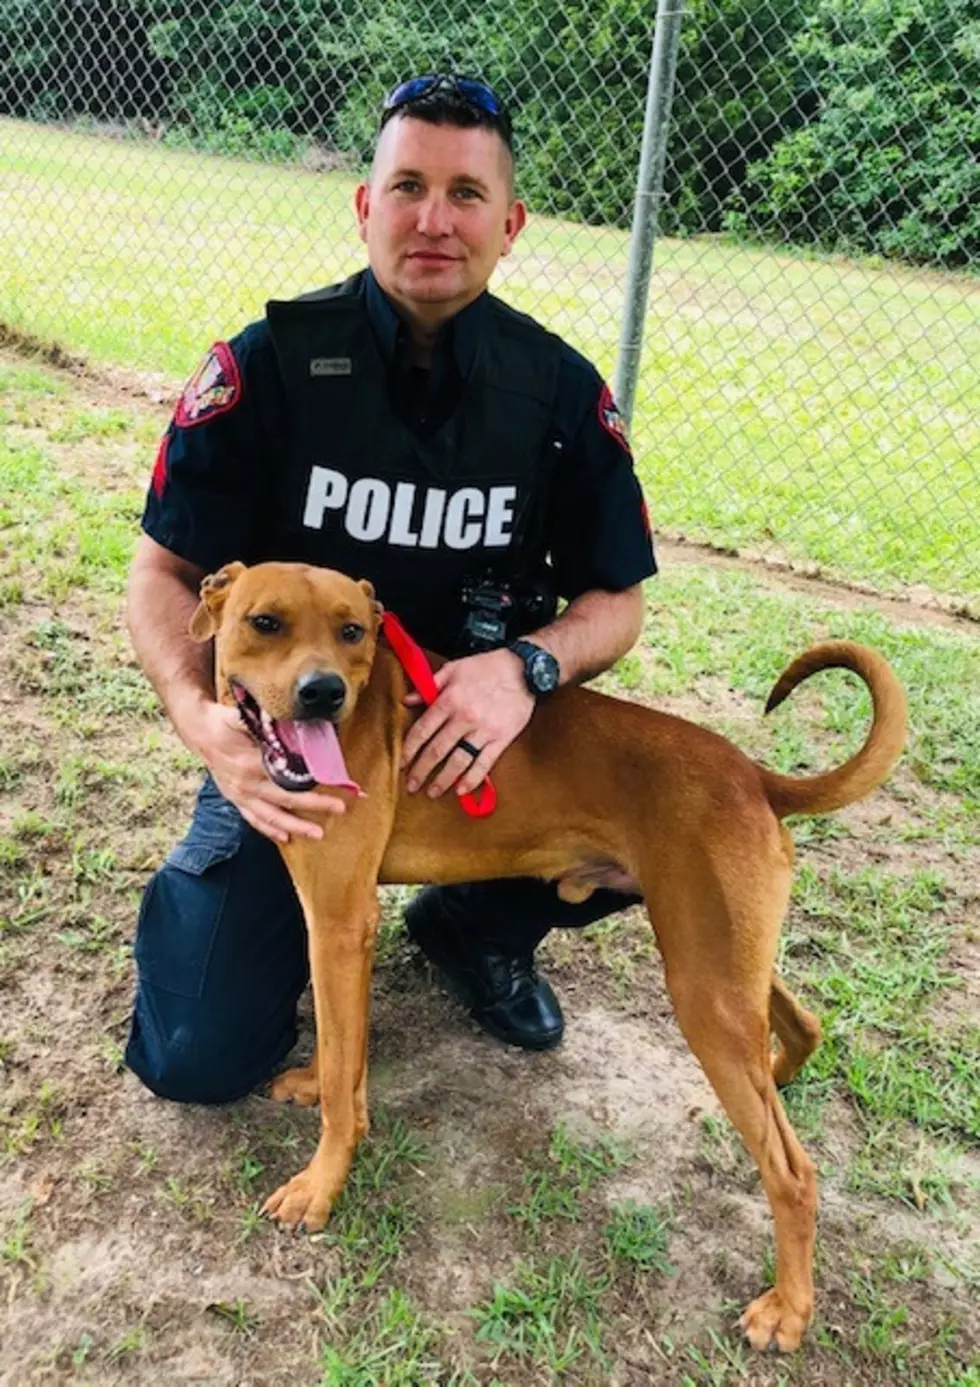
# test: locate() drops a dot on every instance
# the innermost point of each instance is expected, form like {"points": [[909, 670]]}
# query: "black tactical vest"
{"points": [[360, 492]]}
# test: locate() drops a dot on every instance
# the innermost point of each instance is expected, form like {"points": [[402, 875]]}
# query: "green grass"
{"points": [[639, 1235], [549, 1313], [556, 1188], [825, 409], [553, 1274]]}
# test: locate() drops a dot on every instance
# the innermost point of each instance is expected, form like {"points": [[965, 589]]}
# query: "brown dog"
{"points": [[594, 791]]}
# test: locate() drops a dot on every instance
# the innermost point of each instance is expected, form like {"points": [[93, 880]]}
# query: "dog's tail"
{"points": [[867, 769]]}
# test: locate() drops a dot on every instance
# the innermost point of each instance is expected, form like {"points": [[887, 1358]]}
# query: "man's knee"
{"points": [[184, 1052], [221, 956]]}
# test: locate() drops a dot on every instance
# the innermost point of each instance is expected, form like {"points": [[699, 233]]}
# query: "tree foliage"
{"points": [[849, 124], [890, 163]]}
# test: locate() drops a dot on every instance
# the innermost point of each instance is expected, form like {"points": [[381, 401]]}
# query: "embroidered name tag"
{"points": [[330, 366]]}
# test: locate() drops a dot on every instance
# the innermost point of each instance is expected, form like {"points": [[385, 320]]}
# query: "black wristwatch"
{"points": [[541, 669]]}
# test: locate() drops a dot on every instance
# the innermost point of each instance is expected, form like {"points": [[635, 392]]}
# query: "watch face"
{"points": [[542, 671]]}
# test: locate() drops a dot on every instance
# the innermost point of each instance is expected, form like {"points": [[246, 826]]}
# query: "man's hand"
{"points": [[235, 762], [484, 700]]}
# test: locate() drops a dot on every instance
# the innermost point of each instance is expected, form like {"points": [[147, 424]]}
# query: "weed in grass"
{"points": [[628, 672], [805, 1101], [896, 1162], [111, 1050], [249, 1170], [369, 1236], [391, 932], [875, 978], [335, 1298], [23, 1125], [619, 946], [184, 1198], [639, 1234], [148, 1157], [928, 1078], [730, 1363], [584, 1164], [63, 667], [77, 426], [11, 589], [178, 1195], [720, 1148], [12, 854], [11, 774], [69, 790], [92, 866], [822, 828], [550, 1314], [556, 1190], [237, 1314], [906, 1262], [888, 1331], [31, 826], [96, 936], [83, 1348], [14, 1242], [93, 1179], [252, 1222], [368, 1231], [133, 1341], [392, 1345], [545, 1198]]}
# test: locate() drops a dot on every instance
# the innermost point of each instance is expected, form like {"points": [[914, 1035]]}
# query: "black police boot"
{"points": [[505, 996]]}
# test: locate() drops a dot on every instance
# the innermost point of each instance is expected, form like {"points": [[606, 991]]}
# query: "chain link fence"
{"points": [[808, 389]]}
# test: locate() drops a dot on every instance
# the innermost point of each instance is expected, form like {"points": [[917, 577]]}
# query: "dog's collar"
{"points": [[482, 801]]}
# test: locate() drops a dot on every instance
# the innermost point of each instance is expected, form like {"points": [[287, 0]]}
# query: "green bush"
{"points": [[740, 88], [891, 162]]}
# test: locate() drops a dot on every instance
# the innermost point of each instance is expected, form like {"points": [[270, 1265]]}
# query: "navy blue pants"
{"points": [[221, 953]]}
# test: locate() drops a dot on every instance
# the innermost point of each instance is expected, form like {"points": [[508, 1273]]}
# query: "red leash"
{"points": [[482, 801]]}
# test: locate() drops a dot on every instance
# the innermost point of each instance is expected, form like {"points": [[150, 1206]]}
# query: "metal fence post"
{"points": [[649, 188]]}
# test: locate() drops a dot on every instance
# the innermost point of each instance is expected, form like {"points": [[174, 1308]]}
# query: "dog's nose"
{"points": [[320, 695]]}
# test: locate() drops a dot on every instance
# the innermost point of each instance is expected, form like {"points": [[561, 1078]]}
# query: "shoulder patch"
{"points": [[611, 419], [214, 388]]}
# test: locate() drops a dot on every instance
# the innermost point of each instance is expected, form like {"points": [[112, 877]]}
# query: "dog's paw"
{"points": [[770, 1321], [297, 1086], [304, 1201]]}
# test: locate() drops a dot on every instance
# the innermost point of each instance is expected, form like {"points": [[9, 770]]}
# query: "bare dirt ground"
{"points": [[129, 1247]]}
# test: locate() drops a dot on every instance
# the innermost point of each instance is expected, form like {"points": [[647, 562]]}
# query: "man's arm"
{"points": [[162, 597], [593, 632], [485, 700]]}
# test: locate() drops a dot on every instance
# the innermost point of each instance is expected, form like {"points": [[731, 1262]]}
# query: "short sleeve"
{"points": [[205, 499], [599, 531]]}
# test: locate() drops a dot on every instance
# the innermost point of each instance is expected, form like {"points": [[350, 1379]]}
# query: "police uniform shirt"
{"points": [[222, 476]]}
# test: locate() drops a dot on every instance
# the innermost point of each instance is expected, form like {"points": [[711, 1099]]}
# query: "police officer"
{"points": [[407, 427]]}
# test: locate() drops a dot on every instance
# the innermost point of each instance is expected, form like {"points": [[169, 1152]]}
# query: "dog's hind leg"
{"points": [[718, 974], [798, 1030], [300, 1085]]}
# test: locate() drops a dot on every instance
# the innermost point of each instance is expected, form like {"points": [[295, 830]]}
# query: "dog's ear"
{"points": [[214, 594], [368, 590]]}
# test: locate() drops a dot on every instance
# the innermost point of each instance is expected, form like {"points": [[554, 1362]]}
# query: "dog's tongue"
{"points": [[316, 741]]}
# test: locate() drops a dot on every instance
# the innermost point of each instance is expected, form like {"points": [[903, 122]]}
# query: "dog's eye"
{"points": [[351, 632], [265, 623]]}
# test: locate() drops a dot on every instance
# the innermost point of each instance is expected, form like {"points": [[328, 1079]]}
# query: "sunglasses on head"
{"points": [[470, 89]]}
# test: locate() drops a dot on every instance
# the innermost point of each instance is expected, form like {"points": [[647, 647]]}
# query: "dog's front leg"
{"points": [[342, 929]]}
